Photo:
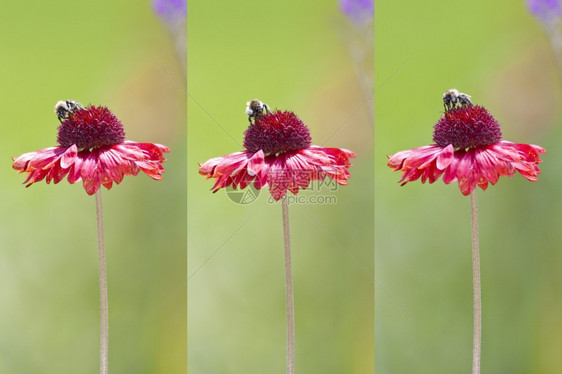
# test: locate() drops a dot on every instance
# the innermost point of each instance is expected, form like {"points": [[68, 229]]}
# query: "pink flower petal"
{"points": [[475, 167], [100, 166], [287, 171]]}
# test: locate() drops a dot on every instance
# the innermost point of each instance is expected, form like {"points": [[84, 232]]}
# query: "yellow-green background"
{"points": [[291, 55], [496, 52], [102, 53]]}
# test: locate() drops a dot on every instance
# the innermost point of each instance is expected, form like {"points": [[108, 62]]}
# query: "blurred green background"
{"points": [[496, 52], [291, 55], [105, 53]]}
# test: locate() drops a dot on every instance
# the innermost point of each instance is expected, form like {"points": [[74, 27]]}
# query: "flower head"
{"points": [[468, 149], [92, 149], [545, 10], [171, 11], [278, 154], [358, 11]]}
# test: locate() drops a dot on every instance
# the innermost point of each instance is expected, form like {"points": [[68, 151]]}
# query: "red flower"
{"points": [[279, 155], [92, 149], [468, 149]]}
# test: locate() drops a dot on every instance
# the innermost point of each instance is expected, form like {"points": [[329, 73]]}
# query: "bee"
{"points": [[255, 109], [63, 109], [453, 97]]}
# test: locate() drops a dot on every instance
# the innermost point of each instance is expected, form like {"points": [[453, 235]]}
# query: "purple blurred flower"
{"points": [[171, 11], [359, 11], [545, 10], [174, 16]]}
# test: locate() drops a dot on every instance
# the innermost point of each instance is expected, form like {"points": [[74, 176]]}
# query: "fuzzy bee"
{"points": [[63, 109], [453, 97], [255, 109]]}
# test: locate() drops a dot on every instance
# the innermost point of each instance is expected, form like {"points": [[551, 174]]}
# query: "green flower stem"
{"points": [[289, 290], [476, 292], [104, 330]]}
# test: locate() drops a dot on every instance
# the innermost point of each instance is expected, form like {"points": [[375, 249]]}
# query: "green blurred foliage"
{"points": [[291, 55], [496, 52], [120, 55]]}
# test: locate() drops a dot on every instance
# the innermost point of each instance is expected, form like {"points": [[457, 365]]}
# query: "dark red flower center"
{"points": [[467, 127], [277, 132], [91, 127]]}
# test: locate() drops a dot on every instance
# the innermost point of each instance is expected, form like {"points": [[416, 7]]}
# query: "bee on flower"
{"points": [[278, 154], [92, 149], [468, 148]]}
